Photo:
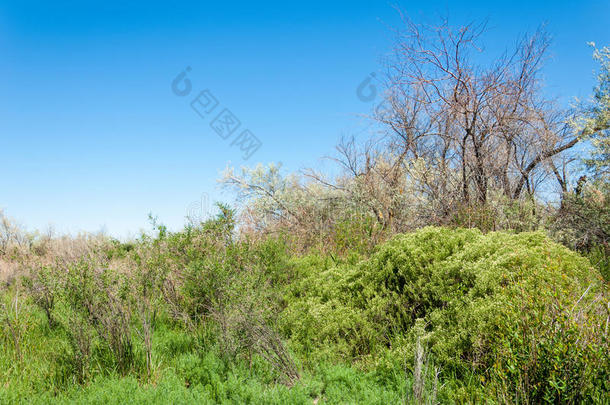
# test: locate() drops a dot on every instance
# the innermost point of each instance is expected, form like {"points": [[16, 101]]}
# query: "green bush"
{"points": [[475, 295]]}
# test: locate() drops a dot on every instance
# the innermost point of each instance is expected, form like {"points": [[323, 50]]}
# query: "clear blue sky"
{"points": [[91, 135]]}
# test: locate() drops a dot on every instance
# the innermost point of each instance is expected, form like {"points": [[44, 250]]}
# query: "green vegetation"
{"points": [[480, 304], [436, 315]]}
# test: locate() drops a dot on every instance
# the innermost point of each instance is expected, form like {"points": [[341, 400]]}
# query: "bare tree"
{"points": [[488, 123]]}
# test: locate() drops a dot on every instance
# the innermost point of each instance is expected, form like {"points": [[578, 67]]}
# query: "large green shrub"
{"points": [[480, 302]]}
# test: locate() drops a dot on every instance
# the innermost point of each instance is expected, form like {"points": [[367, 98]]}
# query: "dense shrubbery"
{"points": [[192, 313], [481, 304], [436, 315]]}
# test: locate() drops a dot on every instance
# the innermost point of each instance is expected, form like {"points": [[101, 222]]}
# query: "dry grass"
{"points": [[8, 271], [21, 252]]}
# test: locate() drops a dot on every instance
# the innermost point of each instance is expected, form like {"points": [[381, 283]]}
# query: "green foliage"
{"points": [[438, 315], [474, 293], [600, 259]]}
